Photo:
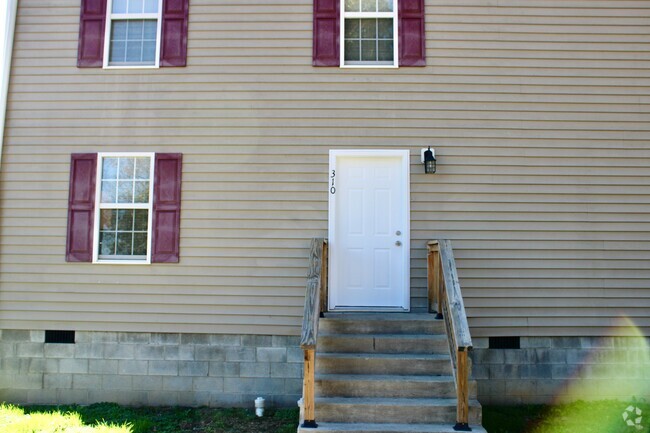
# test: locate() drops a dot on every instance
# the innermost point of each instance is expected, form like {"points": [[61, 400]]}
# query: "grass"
{"points": [[15, 420], [604, 416], [113, 418], [579, 417]]}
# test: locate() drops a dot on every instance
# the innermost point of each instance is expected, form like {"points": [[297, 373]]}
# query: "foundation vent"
{"points": [[59, 337]]}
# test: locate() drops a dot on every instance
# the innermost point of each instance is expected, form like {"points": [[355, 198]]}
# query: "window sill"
{"points": [[131, 67], [121, 262], [369, 66]]}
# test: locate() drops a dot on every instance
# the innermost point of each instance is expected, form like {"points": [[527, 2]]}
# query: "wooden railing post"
{"points": [[308, 395], [439, 278], [462, 389], [315, 304], [433, 281], [444, 285], [324, 295]]}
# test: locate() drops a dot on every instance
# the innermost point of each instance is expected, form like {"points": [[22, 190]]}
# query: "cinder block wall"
{"points": [[559, 369], [150, 369], [231, 370]]}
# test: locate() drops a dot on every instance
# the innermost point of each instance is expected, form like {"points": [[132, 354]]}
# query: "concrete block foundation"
{"points": [[155, 369], [561, 369]]}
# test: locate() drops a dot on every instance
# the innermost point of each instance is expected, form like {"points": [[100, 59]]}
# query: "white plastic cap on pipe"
{"points": [[259, 406]]}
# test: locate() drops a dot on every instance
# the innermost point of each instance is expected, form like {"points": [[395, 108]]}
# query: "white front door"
{"points": [[369, 230]]}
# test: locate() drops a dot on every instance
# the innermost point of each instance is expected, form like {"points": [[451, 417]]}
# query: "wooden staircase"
{"points": [[386, 372], [382, 372]]}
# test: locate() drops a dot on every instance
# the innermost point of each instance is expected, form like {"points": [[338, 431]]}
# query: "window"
{"points": [[124, 201], [124, 208], [368, 33], [132, 33], [368, 29]]}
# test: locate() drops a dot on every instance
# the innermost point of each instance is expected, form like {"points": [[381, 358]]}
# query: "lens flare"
{"points": [[610, 393]]}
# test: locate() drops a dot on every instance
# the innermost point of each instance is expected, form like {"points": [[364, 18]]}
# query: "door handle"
{"points": [[398, 243]]}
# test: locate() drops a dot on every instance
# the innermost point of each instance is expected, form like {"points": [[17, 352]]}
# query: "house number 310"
{"points": [[333, 188]]}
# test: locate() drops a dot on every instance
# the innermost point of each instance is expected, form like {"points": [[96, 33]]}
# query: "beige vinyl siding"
{"points": [[538, 111]]}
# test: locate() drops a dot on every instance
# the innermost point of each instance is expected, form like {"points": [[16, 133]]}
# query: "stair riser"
{"points": [[384, 389], [391, 414], [338, 326], [395, 389], [372, 344], [383, 366]]}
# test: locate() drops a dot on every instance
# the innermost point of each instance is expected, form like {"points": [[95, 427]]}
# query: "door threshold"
{"points": [[368, 310]]}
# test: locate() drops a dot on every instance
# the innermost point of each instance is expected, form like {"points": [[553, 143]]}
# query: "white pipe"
{"points": [[301, 418], [259, 406], [7, 50]]}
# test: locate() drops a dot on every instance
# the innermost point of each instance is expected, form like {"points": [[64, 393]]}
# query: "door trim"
{"points": [[404, 155]]}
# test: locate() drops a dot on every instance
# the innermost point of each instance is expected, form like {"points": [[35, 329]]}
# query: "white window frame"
{"points": [[99, 206], [344, 15], [119, 17]]}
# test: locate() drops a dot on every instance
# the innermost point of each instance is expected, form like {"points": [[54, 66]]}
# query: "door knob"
{"points": [[398, 243]]}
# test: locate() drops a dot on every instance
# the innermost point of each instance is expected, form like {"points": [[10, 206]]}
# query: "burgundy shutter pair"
{"points": [[173, 43], [326, 33], [165, 229]]}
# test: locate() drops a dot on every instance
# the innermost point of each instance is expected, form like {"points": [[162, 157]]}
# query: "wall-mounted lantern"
{"points": [[428, 158]]}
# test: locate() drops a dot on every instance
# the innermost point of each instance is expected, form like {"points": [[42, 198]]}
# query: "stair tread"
{"points": [[330, 334], [393, 401], [388, 428], [412, 356], [384, 377]]}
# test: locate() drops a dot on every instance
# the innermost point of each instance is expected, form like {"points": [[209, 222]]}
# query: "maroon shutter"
{"points": [[411, 33], [92, 21], [173, 46], [166, 208], [326, 33], [81, 207]]}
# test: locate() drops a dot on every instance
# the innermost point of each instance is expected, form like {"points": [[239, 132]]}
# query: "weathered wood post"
{"points": [[309, 335], [433, 276], [441, 293], [462, 389], [308, 389], [324, 295]]}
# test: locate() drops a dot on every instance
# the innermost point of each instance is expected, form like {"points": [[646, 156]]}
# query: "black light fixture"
{"points": [[429, 160]]}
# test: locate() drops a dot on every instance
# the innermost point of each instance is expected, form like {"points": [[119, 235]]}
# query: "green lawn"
{"points": [[579, 417], [113, 418], [16, 420]]}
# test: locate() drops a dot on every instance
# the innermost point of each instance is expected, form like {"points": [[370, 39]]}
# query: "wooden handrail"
{"points": [[446, 299], [315, 304]]}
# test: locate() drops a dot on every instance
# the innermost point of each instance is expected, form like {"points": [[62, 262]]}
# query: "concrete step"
{"points": [[392, 410], [326, 427], [380, 323], [381, 363], [383, 343], [393, 386]]}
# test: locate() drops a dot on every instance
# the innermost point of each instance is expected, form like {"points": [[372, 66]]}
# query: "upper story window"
{"points": [[368, 30], [133, 33], [124, 200], [369, 33]]}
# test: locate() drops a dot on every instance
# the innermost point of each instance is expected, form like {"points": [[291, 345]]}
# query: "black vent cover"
{"points": [[59, 337], [504, 343]]}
